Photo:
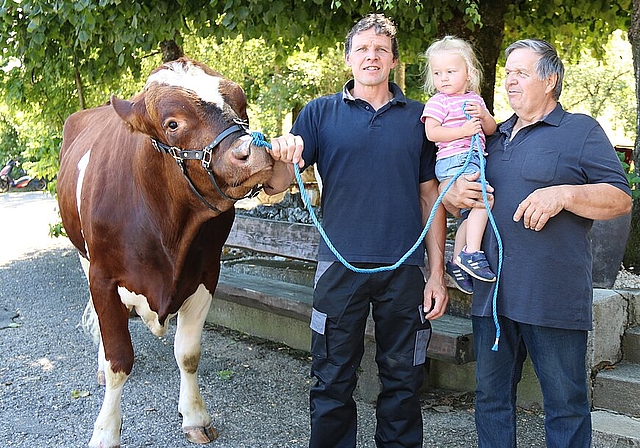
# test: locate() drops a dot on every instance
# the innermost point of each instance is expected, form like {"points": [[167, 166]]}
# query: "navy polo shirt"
{"points": [[546, 275], [371, 164]]}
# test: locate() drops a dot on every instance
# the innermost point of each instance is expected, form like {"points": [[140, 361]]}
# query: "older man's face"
{"points": [[528, 94]]}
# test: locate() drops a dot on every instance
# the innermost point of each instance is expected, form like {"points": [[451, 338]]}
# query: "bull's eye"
{"points": [[173, 125]]}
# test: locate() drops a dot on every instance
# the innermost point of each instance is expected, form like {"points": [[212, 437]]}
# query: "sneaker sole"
{"points": [[473, 274], [455, 282]]}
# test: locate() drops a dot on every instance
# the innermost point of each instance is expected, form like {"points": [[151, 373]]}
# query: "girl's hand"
{"points": [[472, 127], [474, 110]]}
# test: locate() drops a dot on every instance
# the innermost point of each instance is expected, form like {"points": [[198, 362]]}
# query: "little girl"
{"points": [[453, 74]]}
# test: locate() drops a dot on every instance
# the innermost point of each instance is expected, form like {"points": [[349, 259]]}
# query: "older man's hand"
{"points": [[466, 192]]}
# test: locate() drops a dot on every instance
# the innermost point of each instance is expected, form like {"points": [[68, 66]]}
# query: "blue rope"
{"points": [[259, 140], [475, 140]]}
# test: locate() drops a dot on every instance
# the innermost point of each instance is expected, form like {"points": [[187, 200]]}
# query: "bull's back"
{"points": [[88, 135]]}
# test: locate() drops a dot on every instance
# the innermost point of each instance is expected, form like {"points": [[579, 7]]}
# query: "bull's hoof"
{"points": [[200, 434], [101, 378]]}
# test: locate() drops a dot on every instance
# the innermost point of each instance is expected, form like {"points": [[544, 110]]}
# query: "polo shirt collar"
{"points": [[398, 95], [553, 118]]}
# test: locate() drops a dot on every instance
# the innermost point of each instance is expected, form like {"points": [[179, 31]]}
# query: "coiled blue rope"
{"points": [[259, 140]]}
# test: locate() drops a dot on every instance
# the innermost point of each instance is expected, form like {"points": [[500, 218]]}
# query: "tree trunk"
{"points": [[632, 254], [170, 50], [79, 88], [399, 75], [487, 40]]}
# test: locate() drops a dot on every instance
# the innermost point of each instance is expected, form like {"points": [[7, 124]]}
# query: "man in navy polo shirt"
{"points": [[553, 173], [379, 186]]}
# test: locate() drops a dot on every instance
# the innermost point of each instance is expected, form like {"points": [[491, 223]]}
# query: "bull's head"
{"points": [[199, 118]]}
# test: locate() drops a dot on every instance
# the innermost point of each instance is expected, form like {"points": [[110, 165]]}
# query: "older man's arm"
{"points": [[466, 192], [592, 201]]}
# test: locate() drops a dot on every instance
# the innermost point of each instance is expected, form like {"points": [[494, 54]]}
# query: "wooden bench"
{"points": [[452, 339]]}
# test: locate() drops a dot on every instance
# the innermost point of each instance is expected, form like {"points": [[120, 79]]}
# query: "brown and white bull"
{"points": [[146, 190]]}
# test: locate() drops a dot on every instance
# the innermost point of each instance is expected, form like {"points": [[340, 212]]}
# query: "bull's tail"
{"points": [[90, 322]]}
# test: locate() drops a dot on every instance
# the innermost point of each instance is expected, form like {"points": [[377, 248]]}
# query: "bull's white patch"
{"points": [[82, 170], [141, 305], [190, 77]]}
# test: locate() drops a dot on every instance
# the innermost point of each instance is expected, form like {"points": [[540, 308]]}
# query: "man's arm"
{"points": [[592, 201], [435, 292], [285, 151]]}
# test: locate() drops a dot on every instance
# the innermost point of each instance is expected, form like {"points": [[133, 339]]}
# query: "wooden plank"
{"points": [[286, 299], [452, 337], [291, 240], [286, 239]]}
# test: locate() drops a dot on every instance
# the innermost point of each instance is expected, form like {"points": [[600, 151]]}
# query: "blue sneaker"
{"points": [[476, 265], [461, 279]]}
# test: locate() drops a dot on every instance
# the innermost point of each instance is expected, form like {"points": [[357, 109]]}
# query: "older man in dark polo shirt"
{"points": [[552, 174]]}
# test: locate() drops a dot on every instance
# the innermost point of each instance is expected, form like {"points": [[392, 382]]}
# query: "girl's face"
{"points": [[449, 71]]}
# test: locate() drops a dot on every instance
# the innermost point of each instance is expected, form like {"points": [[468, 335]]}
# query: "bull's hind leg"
{"points": [[92, 326], [196, 422], [118, 354]]}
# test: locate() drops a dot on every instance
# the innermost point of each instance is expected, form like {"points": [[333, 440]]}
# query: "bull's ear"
{"points": [[234, 95], [134, 113]]}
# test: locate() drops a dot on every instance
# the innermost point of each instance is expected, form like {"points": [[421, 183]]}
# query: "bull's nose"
{"points": [[242, 152]]}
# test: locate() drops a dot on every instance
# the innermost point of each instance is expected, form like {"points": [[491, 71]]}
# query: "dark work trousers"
{"points": [[341, 304]]}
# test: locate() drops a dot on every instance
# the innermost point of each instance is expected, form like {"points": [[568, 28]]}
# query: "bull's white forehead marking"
{"points": [[190, 77]]}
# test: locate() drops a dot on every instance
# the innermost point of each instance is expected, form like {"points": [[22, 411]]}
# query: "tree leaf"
{"points": [[75, 393]]}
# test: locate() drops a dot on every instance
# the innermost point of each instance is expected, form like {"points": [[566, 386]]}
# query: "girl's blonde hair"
{"points": [[453, 44]]}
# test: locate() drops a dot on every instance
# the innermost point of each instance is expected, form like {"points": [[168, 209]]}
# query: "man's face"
{"points": [[371, 58], [527, 93]]}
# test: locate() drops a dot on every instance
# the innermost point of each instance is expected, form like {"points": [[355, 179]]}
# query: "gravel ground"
{"points": [[256, 391]]}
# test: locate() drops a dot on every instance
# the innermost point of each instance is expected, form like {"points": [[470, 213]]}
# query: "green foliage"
{"points": [[604, 88], [305, 76], [11, 145], [60, 56], [572, 25], [632, 177], [226, 375], [57, 230]]}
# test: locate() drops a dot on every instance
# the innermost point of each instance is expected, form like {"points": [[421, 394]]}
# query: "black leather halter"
{"points": [[205, 156]]}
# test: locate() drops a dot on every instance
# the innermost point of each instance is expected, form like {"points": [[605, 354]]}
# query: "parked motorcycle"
{"points": [[25, 182]]}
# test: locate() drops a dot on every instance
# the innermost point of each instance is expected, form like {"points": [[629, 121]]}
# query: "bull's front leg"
{"points": [[196, 422], [106, 429]]}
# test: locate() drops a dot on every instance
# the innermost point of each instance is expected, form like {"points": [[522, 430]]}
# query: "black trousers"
{"points": [[343, 300]]}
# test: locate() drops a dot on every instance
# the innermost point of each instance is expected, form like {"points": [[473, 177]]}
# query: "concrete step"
{"points": [[612, 430], [618, 388], [631, 345]]}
